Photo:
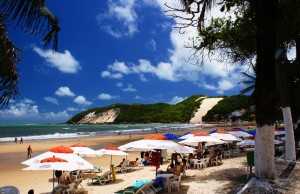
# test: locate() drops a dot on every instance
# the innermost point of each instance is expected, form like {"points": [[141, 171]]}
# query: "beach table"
{"points": [[167, 178]]}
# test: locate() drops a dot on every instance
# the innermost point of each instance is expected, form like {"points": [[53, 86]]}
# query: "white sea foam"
{"points": [[48, 136]]}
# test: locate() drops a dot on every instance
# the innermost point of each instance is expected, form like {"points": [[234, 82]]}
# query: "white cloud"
{"points": [[24, 108], [177, 99], [119, 84], [152, 45], [51, 100], [54, 116], [64, 62], [222, 86], [137, 97], [129, 88], [180, 66], [107, 74], [122, 12], [64, 91], [72, 109], [81, 100], [28, 110], [119, 67], [105, 96]]}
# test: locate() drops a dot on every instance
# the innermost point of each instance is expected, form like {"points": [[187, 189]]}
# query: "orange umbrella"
{"points": [[52, 159], [78, 145], [61, 149], [156, 136], [200, 133]]}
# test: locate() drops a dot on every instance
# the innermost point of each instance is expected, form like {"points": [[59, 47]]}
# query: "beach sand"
{"points": [[220, 179]]}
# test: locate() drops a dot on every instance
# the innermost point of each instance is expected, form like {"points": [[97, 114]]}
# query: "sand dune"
{"points": [[206, 105]]}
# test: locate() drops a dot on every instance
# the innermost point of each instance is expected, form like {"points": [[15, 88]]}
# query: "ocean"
{"points": [[59, 131]]}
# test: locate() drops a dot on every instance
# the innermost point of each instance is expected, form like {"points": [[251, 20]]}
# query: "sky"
{"points": [[112, 51]]}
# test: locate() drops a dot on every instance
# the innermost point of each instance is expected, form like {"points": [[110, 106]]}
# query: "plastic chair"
{"points": [[175, 183]]}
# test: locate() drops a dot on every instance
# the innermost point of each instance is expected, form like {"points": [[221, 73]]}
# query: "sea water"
{"points": [[59, 131]]}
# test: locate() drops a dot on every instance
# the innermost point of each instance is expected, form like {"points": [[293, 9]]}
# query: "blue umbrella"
{"points": [[171, 136], [251, 131]]}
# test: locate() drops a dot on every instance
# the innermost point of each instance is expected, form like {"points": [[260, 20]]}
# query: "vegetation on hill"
{"points": [[229, 104], [149, 113]]}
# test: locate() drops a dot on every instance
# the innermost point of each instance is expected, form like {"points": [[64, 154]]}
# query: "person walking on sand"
{"points": [[16, 140], [29, 151], [21, 140]]}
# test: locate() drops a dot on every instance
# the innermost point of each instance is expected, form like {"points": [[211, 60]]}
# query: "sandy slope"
{"points": [[108, 116], [206, 105]]}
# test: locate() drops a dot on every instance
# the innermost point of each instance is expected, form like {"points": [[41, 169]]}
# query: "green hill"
{"points": [[166, 113], [148, 113]]}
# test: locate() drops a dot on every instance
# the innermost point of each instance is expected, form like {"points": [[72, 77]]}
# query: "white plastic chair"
{"points": [[175, 183]]}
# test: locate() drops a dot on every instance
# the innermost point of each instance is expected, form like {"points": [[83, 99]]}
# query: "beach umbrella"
{"points": [[195, 140], [111, 151], [251, 143], [150, 144], [61, 149], [251, 131], [155, 136], [225, 136], [240, 134], [83, 150], [57, 161], [186, 136], [171, 136]]}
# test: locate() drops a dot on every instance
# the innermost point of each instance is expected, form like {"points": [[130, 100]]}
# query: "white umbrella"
{"points": [[111, 152], [195, 140], [240, 134], [251, 143], [151, 144], [186, 136], [225, 136], [84, 151], [78, 163]]}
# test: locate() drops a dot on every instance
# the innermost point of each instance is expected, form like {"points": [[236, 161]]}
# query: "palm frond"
{"points": [[8, 71], [248, 89], [34, 17]]}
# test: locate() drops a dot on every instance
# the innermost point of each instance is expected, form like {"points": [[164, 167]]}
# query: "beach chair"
{"points": [[103, 179], [227, 154], [73, 188], [123, 168], [175, 183]]}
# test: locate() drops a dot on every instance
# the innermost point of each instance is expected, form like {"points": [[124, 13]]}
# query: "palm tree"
{"points": [[33, 17]]}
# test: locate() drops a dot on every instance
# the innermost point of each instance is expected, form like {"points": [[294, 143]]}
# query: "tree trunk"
{"points": [[265, 87], [290, 152], [264, 152], [284, 93]]}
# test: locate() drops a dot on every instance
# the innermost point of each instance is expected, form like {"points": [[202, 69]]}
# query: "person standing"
{"points": [[29, 151], [21, 140], [16, 140]]}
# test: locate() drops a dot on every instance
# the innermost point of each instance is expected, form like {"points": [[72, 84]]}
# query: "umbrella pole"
{"points": [[52, 179], [110, 159]]}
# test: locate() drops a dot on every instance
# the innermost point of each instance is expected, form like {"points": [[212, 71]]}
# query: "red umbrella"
{"points": [[52, 159], [61, 149]]}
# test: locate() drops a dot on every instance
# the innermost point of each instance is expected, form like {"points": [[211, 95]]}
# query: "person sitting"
{"points": [[65, 179], [121, 163], [134, 163], [171, 168]]}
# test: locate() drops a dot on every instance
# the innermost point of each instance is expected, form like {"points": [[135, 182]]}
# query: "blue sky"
{"points": [[111, 51]]}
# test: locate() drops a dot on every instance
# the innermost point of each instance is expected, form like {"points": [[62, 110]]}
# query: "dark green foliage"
{"points": [[228, 105], [149, 113]]}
